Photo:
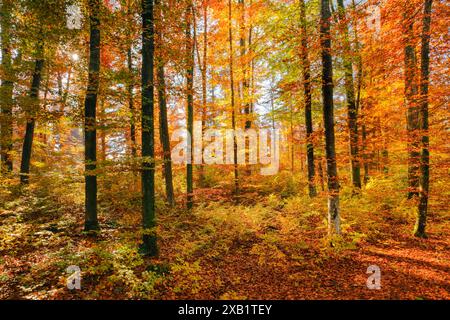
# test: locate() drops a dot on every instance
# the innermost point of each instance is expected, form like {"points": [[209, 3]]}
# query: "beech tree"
{"points": [[190, 104], [328, 118], [149, 244], [232, 97], [308, 100], [352, 111], [162, 100], [424, 180], [90, 119], [6, 88], [412, 106]]}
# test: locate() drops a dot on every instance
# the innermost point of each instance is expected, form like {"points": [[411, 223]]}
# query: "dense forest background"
{"points": [[92, 92]]}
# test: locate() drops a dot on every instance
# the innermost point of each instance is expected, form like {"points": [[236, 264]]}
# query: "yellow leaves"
{"points": [[187, 277]]}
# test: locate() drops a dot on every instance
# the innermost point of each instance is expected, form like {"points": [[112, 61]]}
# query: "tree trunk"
{"points": [[29, 131], [364, 146], [425, 154], [328, 119], [163, 121], [291, 129], [412, 105], [308, 101], [204, 69], [103, 146], [149, 244], [6, 90], [245, 82], [90, 130], [190, 106], [233, 107], [131, 104], [352, 112], [322, 180], [252, 71]]}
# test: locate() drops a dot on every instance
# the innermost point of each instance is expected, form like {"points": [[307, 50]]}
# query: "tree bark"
{"points": [[413, 109], [90, 130], [245, 82], [6, 90], [425, 153], [233, 106], [328, 119], [352, 112], [149, 244], [204, 70], [190, 106], [163, 121], [31, 121], [308, 101], [131, 104]]}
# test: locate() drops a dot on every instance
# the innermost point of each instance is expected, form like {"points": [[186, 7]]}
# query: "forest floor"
{"points": [[266, 246]]}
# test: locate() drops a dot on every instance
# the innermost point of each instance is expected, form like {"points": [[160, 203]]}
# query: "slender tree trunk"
{"points": [[163, 121], [308, 101], [190, 105], [130, 90], [384, 149], [245, 82], [204, 70], [359, 60], [233, 106], [425, 154], [364, 145], [103, 146], [6, 90], [131, 103], [31, 121], [252, 69], [132, 109], [352, 112], [251, 77], [63, 94], [42, 136], [328, 119], [322, 180], [90, 130], [149, 240], [411, 91], [291, 129]]}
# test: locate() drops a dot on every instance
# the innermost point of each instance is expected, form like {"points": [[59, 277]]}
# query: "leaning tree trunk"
{"points": [[425, 154], [6, 90], [31, 121], [412, 118], [163, 122], [308, 101], [328, 119], [149, 244], [90, 130]]}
